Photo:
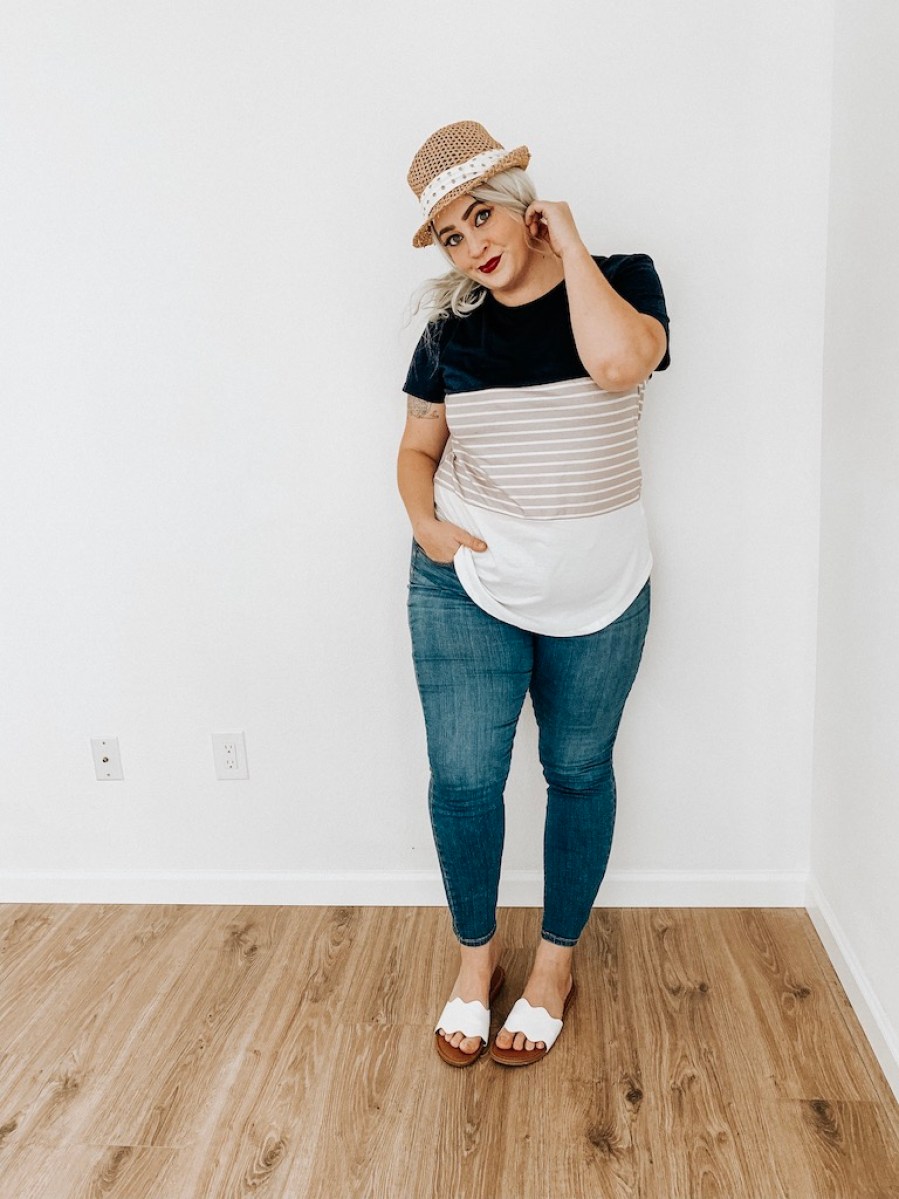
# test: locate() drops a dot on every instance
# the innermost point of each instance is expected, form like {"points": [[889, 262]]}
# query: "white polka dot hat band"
{"points": [[449, 162], [463, 173]]}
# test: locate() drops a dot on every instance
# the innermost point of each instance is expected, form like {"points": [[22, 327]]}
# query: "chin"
{"points": [[488, 280]]}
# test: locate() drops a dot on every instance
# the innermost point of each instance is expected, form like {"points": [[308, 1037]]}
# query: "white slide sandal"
{"points": [[470, 1018], [537, 1025]]}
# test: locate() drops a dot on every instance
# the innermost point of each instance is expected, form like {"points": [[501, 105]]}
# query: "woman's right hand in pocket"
{"points": [[440, 539]]}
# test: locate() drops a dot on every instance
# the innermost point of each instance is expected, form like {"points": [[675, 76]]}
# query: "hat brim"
{"points": [[519, 157]]}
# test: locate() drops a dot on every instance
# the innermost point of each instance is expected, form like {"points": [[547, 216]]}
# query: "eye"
{"points": [[483, 212]]}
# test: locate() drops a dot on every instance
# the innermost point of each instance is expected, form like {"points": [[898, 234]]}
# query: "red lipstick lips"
{"points": [[491, 265]]}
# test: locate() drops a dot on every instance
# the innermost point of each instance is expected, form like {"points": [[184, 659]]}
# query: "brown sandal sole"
{"points": [[452, 1054], [527, 1057]]}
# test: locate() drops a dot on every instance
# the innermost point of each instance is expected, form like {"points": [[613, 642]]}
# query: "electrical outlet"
{"points": [[229, 751], [107, 759]]}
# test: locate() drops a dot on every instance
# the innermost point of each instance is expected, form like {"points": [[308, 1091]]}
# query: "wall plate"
{"points": [[107, 759], [229, 751]]}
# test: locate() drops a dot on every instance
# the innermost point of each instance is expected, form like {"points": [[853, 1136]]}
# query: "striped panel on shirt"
{"points": [[545, 452]]}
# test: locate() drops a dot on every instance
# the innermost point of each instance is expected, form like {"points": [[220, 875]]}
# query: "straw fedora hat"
{"points": [[450, 163]]}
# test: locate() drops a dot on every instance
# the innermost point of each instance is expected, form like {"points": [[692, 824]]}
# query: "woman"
{"points": [[530, 559]]}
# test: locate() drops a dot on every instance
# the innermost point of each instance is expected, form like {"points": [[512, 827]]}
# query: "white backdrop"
{"points": [[209, 232], [855, 825]]}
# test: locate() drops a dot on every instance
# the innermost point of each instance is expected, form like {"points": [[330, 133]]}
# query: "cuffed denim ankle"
{"points": [[473, 672]]}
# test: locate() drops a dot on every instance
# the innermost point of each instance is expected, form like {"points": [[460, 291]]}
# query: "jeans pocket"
{"points": [[433, 561]]}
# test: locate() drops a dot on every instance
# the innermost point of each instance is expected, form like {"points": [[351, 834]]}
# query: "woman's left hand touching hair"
{"points": [[551, 221]]}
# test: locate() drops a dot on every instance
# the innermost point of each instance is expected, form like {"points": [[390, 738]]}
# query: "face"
{"points": [[476, 233]]}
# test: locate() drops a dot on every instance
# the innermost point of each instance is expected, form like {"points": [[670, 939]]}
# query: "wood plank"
{"points": [[203, 1051]]}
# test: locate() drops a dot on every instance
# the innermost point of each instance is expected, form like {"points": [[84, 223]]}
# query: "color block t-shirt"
{"points": [[540, 462]]}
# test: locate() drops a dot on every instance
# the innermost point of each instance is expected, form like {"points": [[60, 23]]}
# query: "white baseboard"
{"points": [[878, 1027], [423, 888]]}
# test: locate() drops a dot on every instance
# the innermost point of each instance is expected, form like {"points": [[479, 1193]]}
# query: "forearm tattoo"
{"points": [[417, 407]]}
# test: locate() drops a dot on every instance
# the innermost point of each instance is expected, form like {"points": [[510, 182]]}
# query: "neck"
{"points": [[545, 271]]}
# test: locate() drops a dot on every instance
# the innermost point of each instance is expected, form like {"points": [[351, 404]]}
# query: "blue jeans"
{"points": [[473, 671]]}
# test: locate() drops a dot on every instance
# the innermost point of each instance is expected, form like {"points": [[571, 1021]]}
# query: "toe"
{"points": [[460, 1041], [504, 1038]]}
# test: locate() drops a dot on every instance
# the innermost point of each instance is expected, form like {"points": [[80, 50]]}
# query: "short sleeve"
{"points": [[425, 375], [635, 279]]}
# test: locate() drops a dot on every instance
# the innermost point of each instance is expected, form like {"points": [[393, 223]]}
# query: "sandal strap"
{"points": [[535, 1022], [472, 1018]]}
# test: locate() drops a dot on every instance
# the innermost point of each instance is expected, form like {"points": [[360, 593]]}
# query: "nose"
{"points": [[477, 243]]}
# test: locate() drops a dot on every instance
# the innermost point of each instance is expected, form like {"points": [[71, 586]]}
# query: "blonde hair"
{"points": [[456, 292]]}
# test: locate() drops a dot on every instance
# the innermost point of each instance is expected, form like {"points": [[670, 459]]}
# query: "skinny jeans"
{"points": [[473, 671]]}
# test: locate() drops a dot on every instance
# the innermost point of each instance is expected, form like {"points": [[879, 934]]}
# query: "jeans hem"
{"points": [[471, 942], [566, 941]]}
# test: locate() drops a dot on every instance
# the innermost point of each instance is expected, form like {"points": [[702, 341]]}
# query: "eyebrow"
{"points": [[447, 228]]}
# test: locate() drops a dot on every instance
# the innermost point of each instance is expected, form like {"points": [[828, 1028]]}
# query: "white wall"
{"points": [[855, 815], [208, 244]]}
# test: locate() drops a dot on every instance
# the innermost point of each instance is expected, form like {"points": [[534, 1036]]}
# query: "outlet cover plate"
{"points": [[229, 751]]}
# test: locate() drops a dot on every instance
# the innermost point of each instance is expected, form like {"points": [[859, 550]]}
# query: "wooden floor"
{"points": [[190, 1052]]}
